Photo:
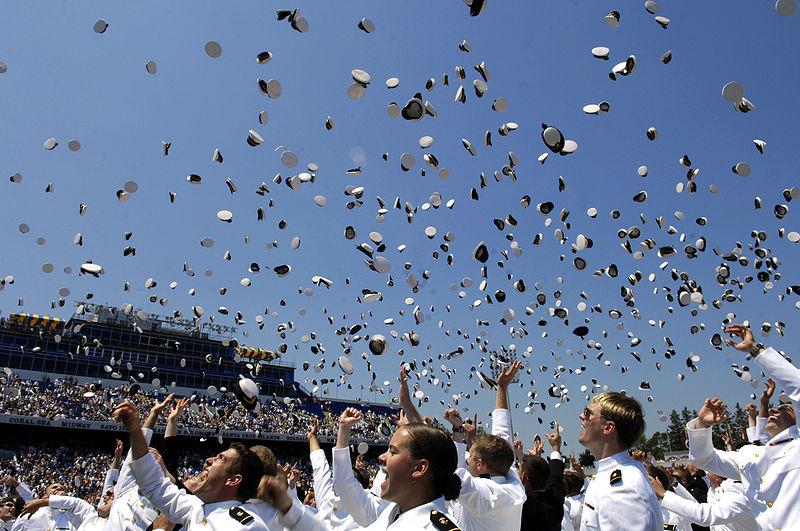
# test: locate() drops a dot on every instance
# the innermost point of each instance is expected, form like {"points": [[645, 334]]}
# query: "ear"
{"points": [[420, 468], [233, 480], [609, 427]]}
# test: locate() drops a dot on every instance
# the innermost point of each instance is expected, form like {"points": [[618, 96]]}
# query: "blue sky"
{"points": [[65, 81]]}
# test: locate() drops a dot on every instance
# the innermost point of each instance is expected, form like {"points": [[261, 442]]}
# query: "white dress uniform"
{"points": [[363, 506], [45, 519], [85, 515], [182, 508], [330, 510], [486, 504], [130, 510], [620, 497], [423, 517], [770, 474], [572, 513], [727, 508]]}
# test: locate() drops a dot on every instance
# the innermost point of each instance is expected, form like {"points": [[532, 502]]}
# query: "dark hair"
{"points": [[362, 476], [436, 446], [267, 459], [494, 451], [573, 483], [626, 414], [536, 472], [661, 475], [249, 466]]}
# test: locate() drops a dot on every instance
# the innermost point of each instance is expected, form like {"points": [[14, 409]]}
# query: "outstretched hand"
{"points": [[126, 414], [508, 374], [712, 413], [769, 390], [554, 439], [744, 333]]}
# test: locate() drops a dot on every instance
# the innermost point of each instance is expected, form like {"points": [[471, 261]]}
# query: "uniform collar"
{"points": [[419, 511], [784, 436], [620, 458]]}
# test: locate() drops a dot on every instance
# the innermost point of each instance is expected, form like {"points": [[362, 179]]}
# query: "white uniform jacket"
{"points": [[362, 505], [85, 515], [390, 519], [620, 497], [727, 508], [45, 519], [770, 474], [329, 506], [786, 375], [130, 511], [187, 509]]}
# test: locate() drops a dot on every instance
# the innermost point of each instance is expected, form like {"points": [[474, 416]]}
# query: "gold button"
{"points": [[758, 455], [133, 519], [762, 480], [769, 504], [204, 522]]}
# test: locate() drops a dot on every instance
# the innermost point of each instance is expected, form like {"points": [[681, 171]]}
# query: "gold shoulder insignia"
{"points": [[616, 476], [442, 522], [240, 515]]}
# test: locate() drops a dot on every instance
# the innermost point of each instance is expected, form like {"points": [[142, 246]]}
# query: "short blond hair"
{"points": [[626, 414]]}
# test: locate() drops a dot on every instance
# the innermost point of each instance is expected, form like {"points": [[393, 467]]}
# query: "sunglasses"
{"points": [[588, 414]]}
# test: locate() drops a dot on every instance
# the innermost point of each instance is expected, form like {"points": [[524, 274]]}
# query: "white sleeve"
{"points": [[461, 450], [111, 478], [76, 506], [362, 507], [480, 496], [501, 424], [786, 375], [25, 493], [125, 479], [173, 503], [732, 505], [703, 454], [323, 482], [760, 431], [300, 518], [681, 491], [377, 481]]}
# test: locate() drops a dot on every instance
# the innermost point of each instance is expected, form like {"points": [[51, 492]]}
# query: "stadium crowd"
{"points": [[65, 398], [429, 478]]}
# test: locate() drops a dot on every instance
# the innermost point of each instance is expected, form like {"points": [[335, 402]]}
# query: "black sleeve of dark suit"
{"points": [[169, 453], [543, 510]]}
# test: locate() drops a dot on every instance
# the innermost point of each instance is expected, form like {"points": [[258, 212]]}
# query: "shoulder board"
{"points": [[670, 527], [442, 522], [240, 515], [616, 477]]}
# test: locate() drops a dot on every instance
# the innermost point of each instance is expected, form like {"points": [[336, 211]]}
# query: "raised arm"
{"points": [[701, 449], [404, 397], [731, 506], [363, 507], [156, 411], [323, 481], [766, 396], [24, 492], [112, 475], [507, 376]]}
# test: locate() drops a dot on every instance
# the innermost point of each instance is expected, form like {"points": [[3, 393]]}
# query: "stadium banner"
{"points": [[99, 425]]}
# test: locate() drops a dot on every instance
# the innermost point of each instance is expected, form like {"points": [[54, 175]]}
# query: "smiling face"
{"points": [[780, 418], [592, 424], [398, 465]]}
